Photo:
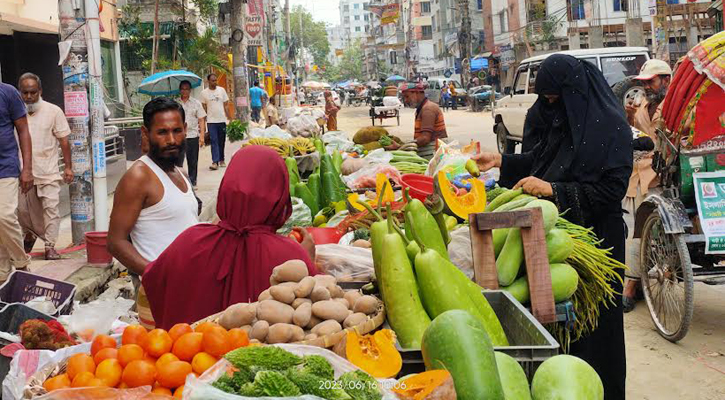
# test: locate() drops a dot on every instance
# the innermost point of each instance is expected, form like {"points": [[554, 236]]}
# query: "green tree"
{"points": [[350, 67], [309, 33], [202, 52], [207, 8]]}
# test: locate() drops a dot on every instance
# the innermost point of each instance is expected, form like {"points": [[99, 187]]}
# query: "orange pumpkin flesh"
{"points": [[375, 354], [420, 386]]}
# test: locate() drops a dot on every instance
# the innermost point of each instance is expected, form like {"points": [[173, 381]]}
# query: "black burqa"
{"points": [[583, 148]]}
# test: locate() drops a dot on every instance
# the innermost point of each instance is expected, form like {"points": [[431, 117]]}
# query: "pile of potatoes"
{"points": [[298, 307]]}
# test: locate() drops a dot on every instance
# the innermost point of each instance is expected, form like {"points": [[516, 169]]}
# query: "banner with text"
{"points": [[391, 13], [710, 196]]}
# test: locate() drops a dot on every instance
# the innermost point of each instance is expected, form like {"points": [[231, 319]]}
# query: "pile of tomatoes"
{"points": [[158, 358]]}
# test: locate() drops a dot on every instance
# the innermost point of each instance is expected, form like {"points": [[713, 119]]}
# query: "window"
{"points": [[357, 18], [367, 17], [367, 28], [435, 50], [346, 7], [427, 32], [617, 68], [533, 71], [576, 8], [357, 29], [621, 5], [503, 21], [346, 20], [521, 81], [356, 6], [433, 22], [425, 7], [592, 60], [480, 5], [393, 57]]}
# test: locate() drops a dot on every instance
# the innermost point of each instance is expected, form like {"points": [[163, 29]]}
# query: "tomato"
{"points": [[296, 236]]}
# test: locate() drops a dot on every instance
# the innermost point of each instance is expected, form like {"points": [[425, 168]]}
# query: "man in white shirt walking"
{"points": [[215, 100], [195, 129], [38, 208]]}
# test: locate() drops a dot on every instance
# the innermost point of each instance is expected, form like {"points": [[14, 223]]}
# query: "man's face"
{"points": [[212, 81], [30, 91], [166, 137], [185, 91], [656, 89], [415, 98]]}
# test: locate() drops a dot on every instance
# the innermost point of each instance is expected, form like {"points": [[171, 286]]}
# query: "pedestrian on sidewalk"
{"points": [[256, 94], [272, 113], [154, 201], [445, 96], [13, 116], [215, 101], [453, 95], [331, 110], [38, 210], [210, 267], [195, 130], [430, 126]]}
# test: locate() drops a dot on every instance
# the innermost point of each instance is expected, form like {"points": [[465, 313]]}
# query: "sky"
{"points": [[321, 10]]}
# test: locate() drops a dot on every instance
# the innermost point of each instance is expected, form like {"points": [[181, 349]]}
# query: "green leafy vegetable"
{"points": [[361, 386], [266, 357], [318, 365], [316, 386], [274, 384]]}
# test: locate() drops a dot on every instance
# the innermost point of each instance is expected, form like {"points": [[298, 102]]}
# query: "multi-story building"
{"points": [[339, 41], [354, 19], [385, 48]]}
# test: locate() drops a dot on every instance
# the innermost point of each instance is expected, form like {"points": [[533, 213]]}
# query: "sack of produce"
{"points": [[301, 216], [346, 263], [286, 371]]}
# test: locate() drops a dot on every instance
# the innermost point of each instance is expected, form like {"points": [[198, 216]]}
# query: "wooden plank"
{"points": [[537, 269], [498, 220], [484, 258]]}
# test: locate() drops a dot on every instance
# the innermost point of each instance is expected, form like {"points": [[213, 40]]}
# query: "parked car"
{"points": [[619, 65], [433, 90]]}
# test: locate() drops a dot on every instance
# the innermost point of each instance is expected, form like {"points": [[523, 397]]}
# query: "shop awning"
{"points": [[11, 23]]}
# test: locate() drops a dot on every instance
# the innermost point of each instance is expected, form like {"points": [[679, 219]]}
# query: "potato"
{"points": [[302, 315], [354, 320], [325, 280], [290, 271], [247, 328], [298, 334], [265, 295], [293, 285], [238, 315], [281, 333], [283, 294], [259, 330], [336, 292], [329, 309], [342, 301], [273, 282], [298, 302], [351, 296], [304, 287], [319, 293], [275, 312], [327, 328], [364, 244], [314, 321], [310, 336], [366, 305]]}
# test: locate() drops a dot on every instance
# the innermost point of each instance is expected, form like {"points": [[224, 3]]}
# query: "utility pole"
{"points": [[155, 43], [287, 38], [239, 60], [465, 42], [81, 72]]}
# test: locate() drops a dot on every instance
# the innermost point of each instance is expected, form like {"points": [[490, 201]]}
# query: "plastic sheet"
{"points": [[338, 140], [97, 317], [301, 216], [201, 388], [303, 125], [308, 162], [459, 250], [273, 131], [346, 263]]}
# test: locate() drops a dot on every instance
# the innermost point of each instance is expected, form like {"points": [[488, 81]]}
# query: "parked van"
{"points": [[619, 65], [433, 90]]}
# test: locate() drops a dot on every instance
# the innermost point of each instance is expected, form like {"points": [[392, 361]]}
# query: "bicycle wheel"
{"points": [[667, 282]]}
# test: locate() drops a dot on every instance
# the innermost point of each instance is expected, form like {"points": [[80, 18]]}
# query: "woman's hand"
{"points": [[307, 243], [487, 161], [535, 187]]}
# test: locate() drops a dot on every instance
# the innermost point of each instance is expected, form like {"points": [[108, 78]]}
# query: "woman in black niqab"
{"points": [[582, 161]]}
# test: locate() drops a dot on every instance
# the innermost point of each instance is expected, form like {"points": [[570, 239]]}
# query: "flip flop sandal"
{"points": [[628, 304]]}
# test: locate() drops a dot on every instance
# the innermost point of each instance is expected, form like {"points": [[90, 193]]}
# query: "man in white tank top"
{"points": [[154, 201]]}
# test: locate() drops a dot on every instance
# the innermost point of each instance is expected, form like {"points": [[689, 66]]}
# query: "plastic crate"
{"points": [[530, 343], [22, 287], [11, 317]]}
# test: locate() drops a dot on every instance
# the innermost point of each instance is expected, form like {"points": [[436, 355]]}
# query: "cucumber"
{"points": [[566, 377], [559, 245], [456, 341], [513, 378], [564, 282], [502, 199], [549, 210], [510, 259], [516, 203]]}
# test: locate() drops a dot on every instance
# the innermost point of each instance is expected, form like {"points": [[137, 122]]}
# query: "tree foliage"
{"points": [[350, 67], [207, 8], [309, 34]]}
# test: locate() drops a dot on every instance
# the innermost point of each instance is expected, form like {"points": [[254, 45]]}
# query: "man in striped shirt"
{"points": [[429, 123]]}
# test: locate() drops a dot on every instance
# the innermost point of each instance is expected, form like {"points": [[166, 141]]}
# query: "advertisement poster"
{"points": [[391, 13], [710, 195], [253, 30], [76, 104]]}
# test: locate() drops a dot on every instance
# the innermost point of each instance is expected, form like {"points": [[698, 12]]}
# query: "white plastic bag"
{"points": [[459, 250], [201, 389], [346, 263], [273, 131], [337, 140], [391, 101], [97, 317], [301, 216]]}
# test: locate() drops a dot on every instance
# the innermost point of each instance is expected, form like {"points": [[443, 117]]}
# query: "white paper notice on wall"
{"points": [[64, 50]]}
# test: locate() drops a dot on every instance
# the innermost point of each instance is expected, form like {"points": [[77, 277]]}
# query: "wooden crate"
{"points": [[531, 223]]}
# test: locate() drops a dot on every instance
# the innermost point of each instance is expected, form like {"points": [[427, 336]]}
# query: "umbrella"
{"points": [[167, 82], [373, 84], [395, 78], [315, 85]]}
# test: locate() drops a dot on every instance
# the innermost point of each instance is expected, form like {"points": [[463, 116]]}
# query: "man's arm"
{"points": [[128, 202], [202, 130], [26, 151], [65, 148], [226, 106]]}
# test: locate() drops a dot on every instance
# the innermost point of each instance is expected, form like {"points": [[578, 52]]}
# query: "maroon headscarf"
{"points": [[210, 267]]}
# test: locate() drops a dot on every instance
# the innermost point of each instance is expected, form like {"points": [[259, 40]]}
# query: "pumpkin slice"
{"points": [[388, 195], [375, 354], [436, 384], [460, 206]]}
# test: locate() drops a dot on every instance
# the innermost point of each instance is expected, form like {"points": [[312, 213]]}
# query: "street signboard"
{"points": [[710, 196], [391, 13], [253, 30]]}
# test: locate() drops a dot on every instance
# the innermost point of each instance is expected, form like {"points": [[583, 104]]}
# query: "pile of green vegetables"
{"points": [[457, 342], [416, 279], [324, 188], [580, 270], [269, 371], [408, 162]]}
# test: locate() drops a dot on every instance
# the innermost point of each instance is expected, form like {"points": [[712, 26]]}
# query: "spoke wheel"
{"points": [[667, 283]]}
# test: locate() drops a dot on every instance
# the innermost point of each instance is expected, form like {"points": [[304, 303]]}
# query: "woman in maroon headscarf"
{"points": [[210, 267], [331, 110]]}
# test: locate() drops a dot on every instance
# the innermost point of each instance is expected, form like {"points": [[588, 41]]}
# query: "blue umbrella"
{"points": [[395, 78], [167, 82]]}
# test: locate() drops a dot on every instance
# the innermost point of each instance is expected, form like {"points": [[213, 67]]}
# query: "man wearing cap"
{"points": [[645, 114], [429, 123]]}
